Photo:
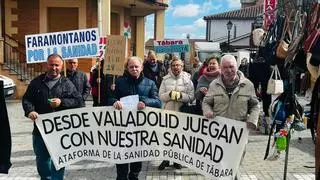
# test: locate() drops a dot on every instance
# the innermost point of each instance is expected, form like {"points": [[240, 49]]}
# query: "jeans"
{"points": [[122, 171], [45, 166]]}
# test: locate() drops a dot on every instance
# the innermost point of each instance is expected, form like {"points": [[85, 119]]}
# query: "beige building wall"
{"points": [[10, 4], [105, 17], [137, 23], [44, 4], [159, 24], [140, 31], [120, 11]]}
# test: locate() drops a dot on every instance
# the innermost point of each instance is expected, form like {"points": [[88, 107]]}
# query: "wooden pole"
{"points": [[100, 34], [99, 81], [64, 69], [113, 85]]}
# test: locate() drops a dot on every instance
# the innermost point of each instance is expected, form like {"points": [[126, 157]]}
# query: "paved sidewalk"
{"points": [[300, 167]]}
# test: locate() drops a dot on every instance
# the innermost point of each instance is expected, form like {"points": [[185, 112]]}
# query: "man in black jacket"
{"points": [[78, 78], [49, 92]]}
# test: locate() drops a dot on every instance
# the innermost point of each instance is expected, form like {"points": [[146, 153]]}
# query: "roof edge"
{"points": [[217, 16]]}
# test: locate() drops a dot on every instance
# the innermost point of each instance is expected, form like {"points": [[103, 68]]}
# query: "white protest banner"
{"points": [[171, 46], [69, 44], [212, 147]]}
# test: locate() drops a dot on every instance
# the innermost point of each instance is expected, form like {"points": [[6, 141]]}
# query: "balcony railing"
{"points": [[15, 60]]}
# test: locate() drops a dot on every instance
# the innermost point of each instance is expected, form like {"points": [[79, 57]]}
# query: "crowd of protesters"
{"points": [[214, 88]]}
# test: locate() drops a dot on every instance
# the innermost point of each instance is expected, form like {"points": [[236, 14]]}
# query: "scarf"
{"points": [[211, 75], [154, 67]]}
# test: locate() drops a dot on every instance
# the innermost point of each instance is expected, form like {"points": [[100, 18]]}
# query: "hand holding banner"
{"points": [[212, 147]]}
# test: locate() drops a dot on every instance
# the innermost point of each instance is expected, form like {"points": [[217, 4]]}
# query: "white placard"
{"points": [[130, 102], [69, 44], [212, 147]]}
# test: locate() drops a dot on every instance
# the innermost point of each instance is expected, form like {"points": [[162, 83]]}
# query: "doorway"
{"points": [[62, 19]]}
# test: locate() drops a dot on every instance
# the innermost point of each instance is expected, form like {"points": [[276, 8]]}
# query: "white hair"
{"points": [[133, 58], [228, 57]]}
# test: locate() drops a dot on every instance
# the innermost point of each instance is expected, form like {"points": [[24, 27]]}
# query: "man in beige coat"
{"points": [[232, 95], [175, 90]]}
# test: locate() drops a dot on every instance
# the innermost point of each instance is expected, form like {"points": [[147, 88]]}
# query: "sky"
{"points": [[184, 17]]}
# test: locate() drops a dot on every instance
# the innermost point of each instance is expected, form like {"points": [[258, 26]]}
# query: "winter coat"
{"points": [[204, 81], [105, 86], [195, 68], [194, 79], [144, 87], [80, 80], [242, 105], [181, 83], [157, 75], [5, 134], [37, 95]]}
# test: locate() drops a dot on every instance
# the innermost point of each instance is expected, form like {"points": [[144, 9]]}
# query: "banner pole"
{"points": [[98, 59], [113, 85], [64, 68], [99, 81]]}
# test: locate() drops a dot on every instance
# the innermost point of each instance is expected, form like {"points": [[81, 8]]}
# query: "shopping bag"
{"points": [[275, 85]]}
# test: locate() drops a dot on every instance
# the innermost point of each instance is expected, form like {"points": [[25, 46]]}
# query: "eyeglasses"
{"points": [[176, 65], [72, 62]]}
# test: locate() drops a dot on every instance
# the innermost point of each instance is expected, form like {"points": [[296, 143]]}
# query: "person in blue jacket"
{"points": [[134, 83]]}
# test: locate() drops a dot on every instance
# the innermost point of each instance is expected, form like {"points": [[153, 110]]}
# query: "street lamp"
{"points": [[229, 26]]}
